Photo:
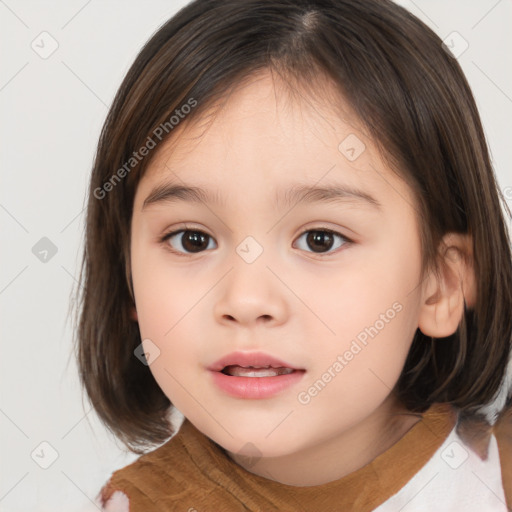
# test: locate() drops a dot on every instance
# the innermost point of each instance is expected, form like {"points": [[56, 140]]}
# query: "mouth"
{"points": [[253, 361], [254, 375], [255, 371]]}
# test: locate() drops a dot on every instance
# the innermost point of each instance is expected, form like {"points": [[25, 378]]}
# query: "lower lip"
{"points": [[255, 387]]}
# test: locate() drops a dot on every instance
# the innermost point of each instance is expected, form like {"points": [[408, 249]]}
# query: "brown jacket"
{"points": [[190, 473]]}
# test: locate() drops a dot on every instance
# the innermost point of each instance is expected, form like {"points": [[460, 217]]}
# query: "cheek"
{"points": [[367, 290], [354, 372], [371, 309], [168, 302], [163, 291]]}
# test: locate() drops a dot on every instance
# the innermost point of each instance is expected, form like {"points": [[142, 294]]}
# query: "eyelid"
{"points": [[347, 241], [162, 239], [168, 234]]}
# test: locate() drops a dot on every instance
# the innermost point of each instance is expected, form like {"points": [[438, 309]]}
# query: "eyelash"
{"points": [[164, 239]]}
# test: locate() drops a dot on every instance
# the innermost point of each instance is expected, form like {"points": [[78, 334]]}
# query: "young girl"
{"points": [[367, 373]]}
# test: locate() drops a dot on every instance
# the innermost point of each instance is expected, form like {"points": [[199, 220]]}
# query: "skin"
{"points": [[293, 303]]}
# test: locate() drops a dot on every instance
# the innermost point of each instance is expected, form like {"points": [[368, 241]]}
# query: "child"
{"points": [[370, 374]]}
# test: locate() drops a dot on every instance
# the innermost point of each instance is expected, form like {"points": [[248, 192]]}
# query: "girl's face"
{"points": [[324, 284]]}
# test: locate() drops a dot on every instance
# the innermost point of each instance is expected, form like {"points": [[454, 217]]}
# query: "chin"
{"points": [[254, 442]]}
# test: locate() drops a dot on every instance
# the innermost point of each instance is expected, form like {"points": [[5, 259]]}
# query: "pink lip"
{"points": [[253, 387], [249, 359]]}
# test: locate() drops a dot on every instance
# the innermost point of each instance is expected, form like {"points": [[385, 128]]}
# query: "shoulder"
{"points": [[502, 430], [166, 473], [113, 501], [471, 471]]}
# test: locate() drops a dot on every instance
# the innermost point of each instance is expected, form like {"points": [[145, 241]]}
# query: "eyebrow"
{"points": [[334, 193]]}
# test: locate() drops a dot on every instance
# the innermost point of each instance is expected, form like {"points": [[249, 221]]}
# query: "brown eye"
{"points": [[190, 241], [187, 241], [322, 240]]}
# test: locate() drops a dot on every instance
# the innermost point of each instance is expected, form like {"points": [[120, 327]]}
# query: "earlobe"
{"points": [[443, 296], [133, 314]]}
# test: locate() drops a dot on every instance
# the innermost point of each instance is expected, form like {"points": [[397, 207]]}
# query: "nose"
{"points": [[251, 294]]}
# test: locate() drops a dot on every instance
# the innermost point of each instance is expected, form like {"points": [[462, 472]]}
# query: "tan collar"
{"points": [[361, 491]]}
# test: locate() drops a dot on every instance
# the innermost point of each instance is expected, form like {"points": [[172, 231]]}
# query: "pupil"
{"points": [[192, 241], [320, 238]]}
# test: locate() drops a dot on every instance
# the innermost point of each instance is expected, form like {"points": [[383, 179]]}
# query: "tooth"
{"points": [[239, 371]]}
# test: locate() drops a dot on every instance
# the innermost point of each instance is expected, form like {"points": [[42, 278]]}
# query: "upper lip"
{"points": [[246, 359]]}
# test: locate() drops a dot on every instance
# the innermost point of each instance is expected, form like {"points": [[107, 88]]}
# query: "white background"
{"points": [[52, 111]]}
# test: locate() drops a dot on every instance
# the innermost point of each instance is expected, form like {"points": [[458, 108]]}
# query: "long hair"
{"points": [[414, 101]]}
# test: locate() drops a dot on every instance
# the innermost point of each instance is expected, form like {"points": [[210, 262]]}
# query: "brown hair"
{"points": [[414, 101]]}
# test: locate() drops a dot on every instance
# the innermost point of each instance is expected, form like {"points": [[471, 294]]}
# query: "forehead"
{"points": [[263, 107], [265, 135]]}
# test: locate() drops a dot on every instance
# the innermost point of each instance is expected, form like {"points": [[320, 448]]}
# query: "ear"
{"points": [[443, 296]]}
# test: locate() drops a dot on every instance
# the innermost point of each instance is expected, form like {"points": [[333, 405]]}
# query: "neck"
{"points": [[322, 463]]}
